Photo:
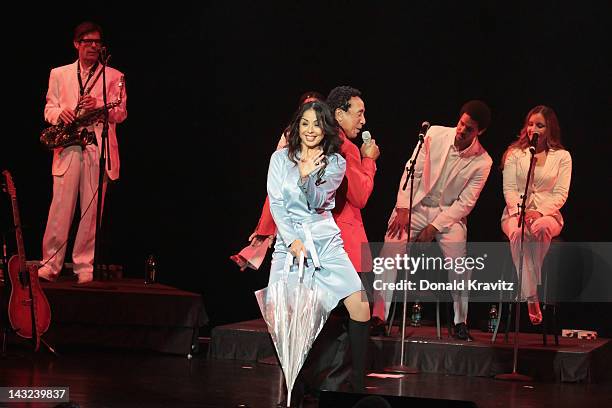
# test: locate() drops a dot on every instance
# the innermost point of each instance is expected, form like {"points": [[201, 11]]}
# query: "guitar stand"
{"points": [[3, 351], [49, 347], [5, 326], [5, 354]]}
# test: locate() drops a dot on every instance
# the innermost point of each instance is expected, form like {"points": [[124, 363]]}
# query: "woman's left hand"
{"points": [[531, 216], [311, 162]]}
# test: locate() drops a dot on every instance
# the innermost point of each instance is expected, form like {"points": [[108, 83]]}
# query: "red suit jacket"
{"points": [[351, 197]]}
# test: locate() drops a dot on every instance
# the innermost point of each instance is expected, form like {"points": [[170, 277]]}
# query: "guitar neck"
{"points": [[18, 234]]}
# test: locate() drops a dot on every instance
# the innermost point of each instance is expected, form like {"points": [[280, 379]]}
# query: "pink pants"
{"points": [[79, 181], [535, 247], [452, 244]]}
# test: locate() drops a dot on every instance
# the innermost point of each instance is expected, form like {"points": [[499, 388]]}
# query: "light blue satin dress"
{"points": [[303, 211]]}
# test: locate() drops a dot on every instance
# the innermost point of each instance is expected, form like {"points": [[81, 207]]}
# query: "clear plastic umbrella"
{"points": [[295, 315]]}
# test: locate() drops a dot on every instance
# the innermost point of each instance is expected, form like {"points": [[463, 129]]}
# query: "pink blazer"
{"points": [[463, 185], [549, 188]]}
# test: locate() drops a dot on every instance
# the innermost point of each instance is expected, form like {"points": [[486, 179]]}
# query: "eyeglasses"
{"points": [[90, 41]]}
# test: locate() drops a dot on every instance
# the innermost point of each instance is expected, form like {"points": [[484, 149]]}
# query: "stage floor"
{"points": [[573, 360], [115, 379]]}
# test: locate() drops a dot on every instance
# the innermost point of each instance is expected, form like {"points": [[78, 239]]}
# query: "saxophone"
{"points": [[76, 134]]}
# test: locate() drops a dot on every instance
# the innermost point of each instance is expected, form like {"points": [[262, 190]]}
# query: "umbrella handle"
{"points": [[289, 262], [301, 267]]}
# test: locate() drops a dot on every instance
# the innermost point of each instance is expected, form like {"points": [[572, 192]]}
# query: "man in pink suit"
{"points": [[450, 172], [75, 90]]}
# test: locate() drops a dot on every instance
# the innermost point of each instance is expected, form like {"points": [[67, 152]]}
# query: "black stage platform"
{"points": [[123, 313], [573, 360]]}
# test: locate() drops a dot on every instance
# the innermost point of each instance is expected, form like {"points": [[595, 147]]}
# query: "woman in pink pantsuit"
{"points": [[550, 182]]}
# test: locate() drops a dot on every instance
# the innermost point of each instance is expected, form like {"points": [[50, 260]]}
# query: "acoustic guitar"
{"points": [[29, 312]]}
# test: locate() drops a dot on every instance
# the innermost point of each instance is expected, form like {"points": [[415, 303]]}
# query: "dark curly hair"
{"points": [[331, 140], [340, 97], [478, 111]]}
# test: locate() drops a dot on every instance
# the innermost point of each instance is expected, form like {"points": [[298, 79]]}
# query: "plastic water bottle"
{"points": [[493, 318], [150, 270], [415, 317]]}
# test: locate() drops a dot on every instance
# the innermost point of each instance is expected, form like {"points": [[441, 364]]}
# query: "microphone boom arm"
{"points": [[410, 169]]}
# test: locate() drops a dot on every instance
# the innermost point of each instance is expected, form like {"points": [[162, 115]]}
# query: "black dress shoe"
{"points": [[378, 327], [462, 333]]}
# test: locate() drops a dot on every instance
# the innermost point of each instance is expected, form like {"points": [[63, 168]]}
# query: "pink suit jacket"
{"points": [[351, 197], [63, 93], [549, 189], [463, 185]]}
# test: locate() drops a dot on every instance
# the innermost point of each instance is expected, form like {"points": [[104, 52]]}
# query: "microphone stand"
{"points": [[401, 368], [514, 375], [104, 158]]}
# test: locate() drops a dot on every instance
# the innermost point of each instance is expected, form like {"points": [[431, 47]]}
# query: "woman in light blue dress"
{"points": [[302, 183]]}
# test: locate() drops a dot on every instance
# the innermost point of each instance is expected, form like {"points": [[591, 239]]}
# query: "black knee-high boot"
{"points": [[359, 334]]}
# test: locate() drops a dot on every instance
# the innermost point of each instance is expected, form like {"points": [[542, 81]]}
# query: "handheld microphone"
{"points": [[366, 137], [424, 128], [534, 141]]}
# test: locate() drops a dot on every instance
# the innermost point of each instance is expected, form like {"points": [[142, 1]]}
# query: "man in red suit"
{"points": [[358, 183], [351, 197]]}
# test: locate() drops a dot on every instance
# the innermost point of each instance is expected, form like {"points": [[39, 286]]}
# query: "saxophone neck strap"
{"points": [[90, 75]]}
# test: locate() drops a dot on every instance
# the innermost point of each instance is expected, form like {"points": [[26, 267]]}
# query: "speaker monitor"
{"points": [[334, 399]]}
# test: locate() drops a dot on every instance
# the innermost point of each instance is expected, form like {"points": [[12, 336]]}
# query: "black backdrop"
{"points": [[211, 86]]}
